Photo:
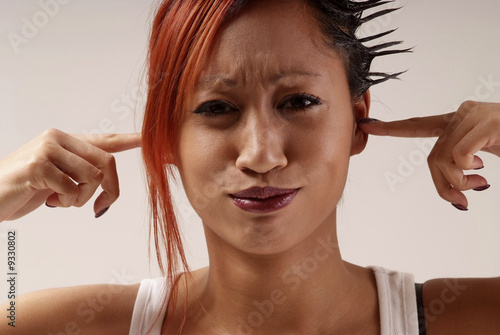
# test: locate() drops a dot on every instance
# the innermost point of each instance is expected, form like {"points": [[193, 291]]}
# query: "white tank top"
{"points": [[396, 295]]}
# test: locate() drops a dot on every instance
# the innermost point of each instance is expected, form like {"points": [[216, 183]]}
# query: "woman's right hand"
{"points": [[61, 170]]}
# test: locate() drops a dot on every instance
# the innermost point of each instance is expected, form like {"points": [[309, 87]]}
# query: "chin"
{"points": [[270, 238]]}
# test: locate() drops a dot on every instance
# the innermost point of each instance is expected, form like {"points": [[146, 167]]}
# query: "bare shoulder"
{"points": [[462, 306], [91, 309]]}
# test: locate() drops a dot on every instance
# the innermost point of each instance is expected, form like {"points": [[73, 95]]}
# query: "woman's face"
{"points": [[272, 109]]}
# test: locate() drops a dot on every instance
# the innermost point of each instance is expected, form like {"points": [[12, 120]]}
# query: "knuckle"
{"points": [[69, 199], [460, 185], [461, 164], [52, 133], [114, 193], [73, 190], [79, 203], [96, 175], [457, 152], [43, 151], [109, 159], [431, 159], [458, 180], [46, 147], [494, 123], [37, 169], [436, 158], [441, 193], [42, 167], [467, 106], [438, 132], [110, 137], [443, 138], [85, 193], [415, 120]]}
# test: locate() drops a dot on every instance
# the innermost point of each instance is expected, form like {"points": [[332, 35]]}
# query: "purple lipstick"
{"points": [[263, 200]]}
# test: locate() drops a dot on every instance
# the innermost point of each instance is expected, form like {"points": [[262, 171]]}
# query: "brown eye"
{"points": [[214, 108], [299, 102]]}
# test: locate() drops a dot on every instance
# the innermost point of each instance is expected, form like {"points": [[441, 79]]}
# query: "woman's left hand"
{"points": [[473, 127]]}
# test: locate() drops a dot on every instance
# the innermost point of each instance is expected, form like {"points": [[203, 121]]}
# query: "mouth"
{"points": [[263, 200]]}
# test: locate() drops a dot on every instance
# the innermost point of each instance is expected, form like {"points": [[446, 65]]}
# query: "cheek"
{"points": [[198, 150], [325, 155], [201, 167], [326, 141]]}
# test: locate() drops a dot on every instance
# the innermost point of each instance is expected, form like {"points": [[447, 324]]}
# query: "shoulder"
{"points": [[462, 306], [91, 309]]}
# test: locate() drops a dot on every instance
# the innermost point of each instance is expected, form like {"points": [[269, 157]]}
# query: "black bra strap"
{"points": [[420, 309]]}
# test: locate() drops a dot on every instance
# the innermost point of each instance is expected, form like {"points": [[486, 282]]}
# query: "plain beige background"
{"points": [[81, 70]]}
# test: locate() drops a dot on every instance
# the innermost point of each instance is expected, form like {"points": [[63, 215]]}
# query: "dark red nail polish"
{"points": [[460, 207], [482, 188], [50, 206], [101, 213], [366, 120]]}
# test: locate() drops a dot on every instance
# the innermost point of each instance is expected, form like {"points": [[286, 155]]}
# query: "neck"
{"points": [[308, 289]]}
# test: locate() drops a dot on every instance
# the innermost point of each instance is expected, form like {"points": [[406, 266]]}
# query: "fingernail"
{"points": [[482, 188], [50, 206], [101, 213], [479, 168], [460, 207], [366, 120]]}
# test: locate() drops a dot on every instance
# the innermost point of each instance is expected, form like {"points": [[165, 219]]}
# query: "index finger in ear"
{"points": [[112, 142], [428, 126]]}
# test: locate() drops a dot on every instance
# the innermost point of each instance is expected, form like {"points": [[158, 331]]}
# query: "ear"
{"points": [[361, 109]]}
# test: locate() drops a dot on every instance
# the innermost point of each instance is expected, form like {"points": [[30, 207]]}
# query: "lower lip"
{"points": [[263, 206]]}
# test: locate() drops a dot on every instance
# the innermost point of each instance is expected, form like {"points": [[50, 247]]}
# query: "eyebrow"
{"points": [[218, 77], [274, 79], [294, 73]]}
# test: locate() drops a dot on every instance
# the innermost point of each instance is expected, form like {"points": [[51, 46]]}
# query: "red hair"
{"points": [[182, 33]]}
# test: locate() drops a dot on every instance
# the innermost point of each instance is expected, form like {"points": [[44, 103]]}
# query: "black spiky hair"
{"points": [[340, 20]]}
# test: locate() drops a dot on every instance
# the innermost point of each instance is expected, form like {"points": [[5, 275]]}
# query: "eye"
{"points": [[298, 102], [214, 108]]}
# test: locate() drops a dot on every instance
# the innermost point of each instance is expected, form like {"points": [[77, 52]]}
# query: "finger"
{"points": [[85, 174], [79, 194], [112, 142], [464, 151], [429, 126], [65, 190], [456, 177], [102, 160], [445, 157], [110, 185], [443, 187]]}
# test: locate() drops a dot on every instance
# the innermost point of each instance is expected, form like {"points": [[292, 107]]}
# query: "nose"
{"points": [[261, 146]]}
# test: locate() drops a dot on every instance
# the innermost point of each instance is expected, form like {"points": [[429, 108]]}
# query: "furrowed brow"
{"points": [[231, 83], [210, 80], [293, 73]]}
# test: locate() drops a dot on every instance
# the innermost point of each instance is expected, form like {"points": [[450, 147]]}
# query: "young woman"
{"points": [[262, 103]]}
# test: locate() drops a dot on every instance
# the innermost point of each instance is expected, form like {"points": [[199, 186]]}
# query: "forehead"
{"points": [[271, 21], [267, 39]]}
